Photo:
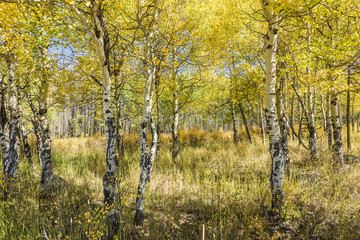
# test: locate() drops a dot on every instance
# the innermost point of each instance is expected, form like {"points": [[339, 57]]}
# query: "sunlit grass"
{"points": [[213, 183]]}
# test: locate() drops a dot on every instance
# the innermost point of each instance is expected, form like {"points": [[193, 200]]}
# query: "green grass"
{"points": [[213, 184]]}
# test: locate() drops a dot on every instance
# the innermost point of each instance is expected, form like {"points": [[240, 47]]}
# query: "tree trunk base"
{"points": [[277, 203], [139, 218], [53, 187], [174, 155], [113, 221]]}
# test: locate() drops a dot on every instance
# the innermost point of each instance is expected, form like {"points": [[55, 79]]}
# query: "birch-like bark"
{"points": [[245, 123], [102, 45], [336, 126], [277, 171], [26, 145], [292, 116], [234, 123], [119, 126], [147, 158], [311, 104], [283, 128], [4, 125], [100, 36], [232, 107], [262, 122], [72, 122], [175, 120], [323, 111], [110, 180], [352, 114], [301, 117], [50, 183], [36, 124], [348, 139], [45, 151], [328, 120], [11, 156], [339, 105], [309, 112], [23, 135], [158, 113]]}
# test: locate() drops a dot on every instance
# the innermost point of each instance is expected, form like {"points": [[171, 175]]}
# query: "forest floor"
{"points": [[214, 184]]}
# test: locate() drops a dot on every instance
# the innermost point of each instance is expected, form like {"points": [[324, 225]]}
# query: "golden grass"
{"points": [[215, 183]]}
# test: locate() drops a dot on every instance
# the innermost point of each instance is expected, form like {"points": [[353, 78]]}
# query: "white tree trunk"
{"points": [[4, 126], [158, 112], [311, 106], [232, 104], [36, 125], [119, 125], [262, 122], [11, 160], [311, 124], [292, 117], [99, 33], [110, 181], [277, 171], [175, 120], [234, 123], [348, 135], [283, 126], [23, 134], [45, 151], [147, 158], [323, 112], [328, 120], [336, 126]]}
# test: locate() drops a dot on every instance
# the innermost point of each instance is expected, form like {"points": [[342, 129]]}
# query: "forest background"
{"points": [[179, 119]]}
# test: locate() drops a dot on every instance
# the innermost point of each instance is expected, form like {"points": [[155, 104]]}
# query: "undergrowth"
{"points": [[213, 184]]}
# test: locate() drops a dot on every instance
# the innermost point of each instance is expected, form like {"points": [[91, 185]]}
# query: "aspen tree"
{"points": [[283, 124], [277, 171], [232, 100], [336, 127], [10, 129], [98, 30], [147, 157], [4, 125]]}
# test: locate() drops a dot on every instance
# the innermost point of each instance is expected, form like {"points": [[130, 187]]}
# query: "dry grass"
{"points": [[213, 183]]}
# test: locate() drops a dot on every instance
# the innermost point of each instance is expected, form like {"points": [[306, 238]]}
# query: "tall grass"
{"points": [[214, 183]]}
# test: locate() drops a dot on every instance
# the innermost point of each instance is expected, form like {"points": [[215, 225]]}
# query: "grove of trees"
{"points": [[288, 69]]}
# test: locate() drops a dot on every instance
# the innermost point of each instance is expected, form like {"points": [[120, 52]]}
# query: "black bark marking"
{"points": [[109, 181], [277, 168], [97, 33], [276, 148], [46, 172]]}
